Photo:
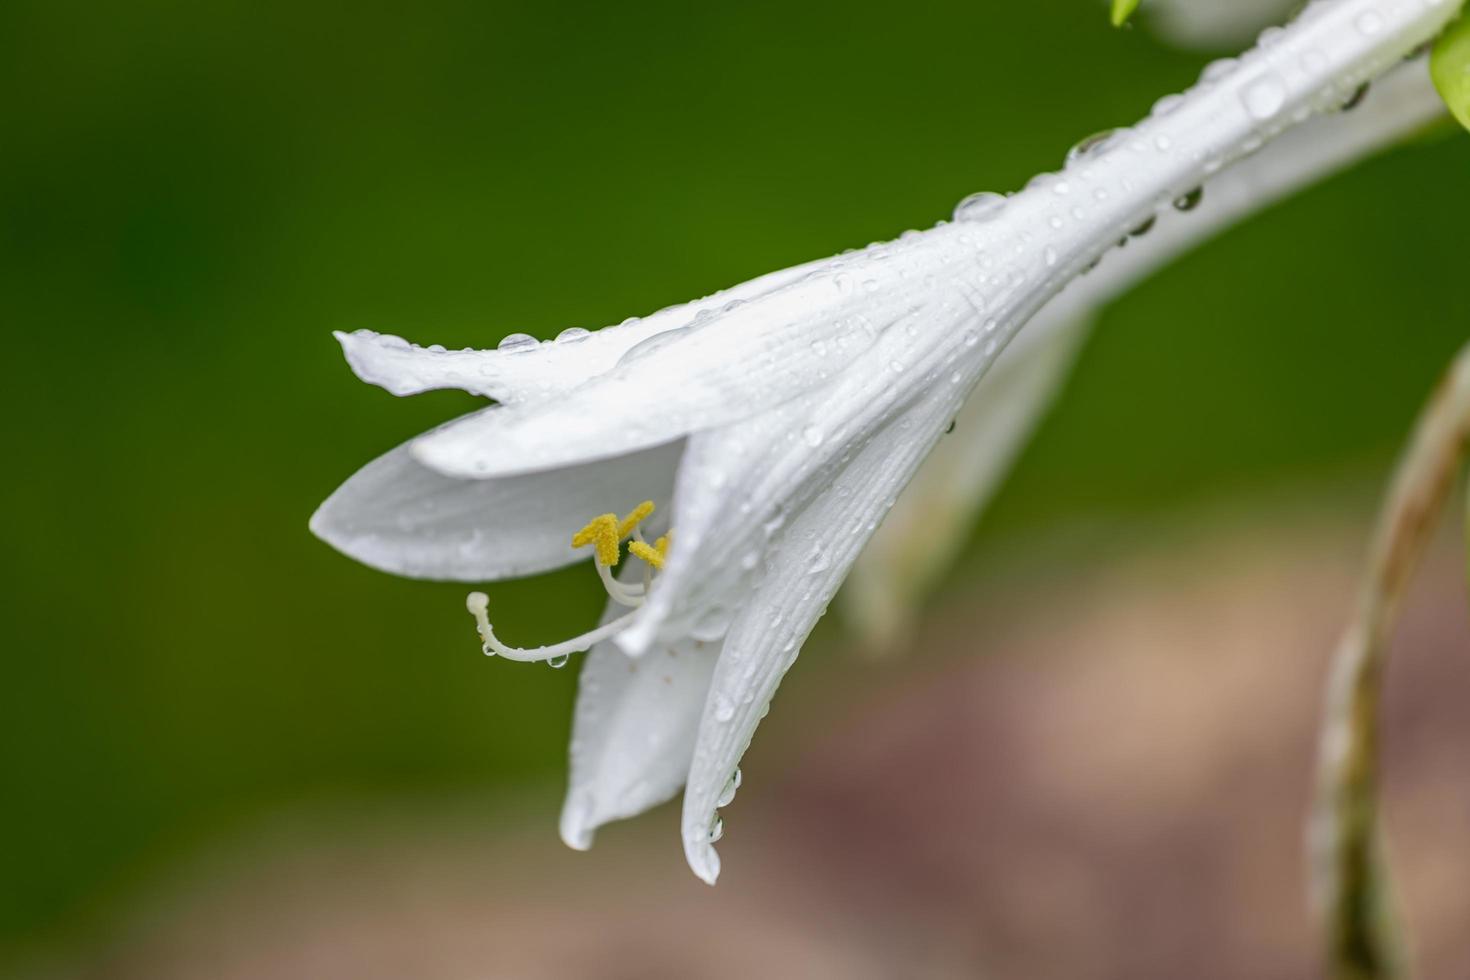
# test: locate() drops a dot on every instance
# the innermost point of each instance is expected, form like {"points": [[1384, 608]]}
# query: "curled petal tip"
{"points": [[703, 860]]}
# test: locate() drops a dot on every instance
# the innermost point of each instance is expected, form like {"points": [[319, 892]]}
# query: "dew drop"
{"points": [[515, 343], [1369, 22], [716, 829], [1264, 96], [1090, 145], [557, 663], [728, 794], [1143, 227], [983, 206], [1166, 105], [1049, 256], [572, 334], [818, 561], [724, 710], [1354, 100], [1190, 200], [812, 435], [646, 347], [1217, 70]]}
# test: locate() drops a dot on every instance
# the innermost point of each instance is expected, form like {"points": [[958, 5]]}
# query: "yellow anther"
{"points": [[652, 553], [634, 518], [607, 532], [601, 531]]}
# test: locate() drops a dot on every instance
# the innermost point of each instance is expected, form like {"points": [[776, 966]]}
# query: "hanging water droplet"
{"points": [[950, 428], [982, 206], [1359, 94], [1190, 200], [728, 794], [557, 663], [572, 334], [1143, 227], [514, 343], [716, 829]]}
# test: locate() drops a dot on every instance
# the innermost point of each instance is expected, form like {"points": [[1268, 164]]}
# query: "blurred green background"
{"points": [[193, 196]]}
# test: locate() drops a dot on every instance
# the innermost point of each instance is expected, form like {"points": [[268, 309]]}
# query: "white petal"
{"points": [[633, 733], [796, 338], [531, 372], [402, 517], [801, 572], [933, 514], [739, 484], [736, 363], [926, 529]]}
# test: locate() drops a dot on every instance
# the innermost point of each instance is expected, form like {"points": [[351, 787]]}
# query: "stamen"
{"points": [[605, 533], [651, 553], [627, 595], [636, 517], [478, 604], [601, 531]]}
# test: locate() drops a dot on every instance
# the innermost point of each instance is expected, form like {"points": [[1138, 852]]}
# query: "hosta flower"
{"points": [[744, 447], [923, 533]]}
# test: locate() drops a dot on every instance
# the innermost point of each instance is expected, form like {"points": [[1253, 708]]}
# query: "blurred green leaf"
{"points": [[1449, 65], [1122, 10]]}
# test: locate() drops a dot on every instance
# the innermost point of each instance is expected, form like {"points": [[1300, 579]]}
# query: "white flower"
{"points": [[923, 533], [773, 425]]}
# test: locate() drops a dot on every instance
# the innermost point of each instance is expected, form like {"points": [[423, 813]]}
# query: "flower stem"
{"points": [[1350, 874]]}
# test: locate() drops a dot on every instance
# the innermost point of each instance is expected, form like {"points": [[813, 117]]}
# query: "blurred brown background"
{"points": [[1116, 791]]}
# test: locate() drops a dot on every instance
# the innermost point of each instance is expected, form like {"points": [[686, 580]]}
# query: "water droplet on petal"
{"points": [[646, 347], [1089, 145], [1264, 96], [728, 794], [515, 343], [724, 710], [1352, 101], [1189, 201], [716, 829], [572, 334], [812, 435], [984, 206]]}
